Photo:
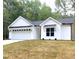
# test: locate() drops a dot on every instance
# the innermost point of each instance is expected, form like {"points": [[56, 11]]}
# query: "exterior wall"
{"points": [[20, 22], [57, 30], [66, 32], [38, 32]]}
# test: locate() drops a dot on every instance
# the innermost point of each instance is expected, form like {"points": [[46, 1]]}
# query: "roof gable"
{"points": [[20, 21], [50, 18]]}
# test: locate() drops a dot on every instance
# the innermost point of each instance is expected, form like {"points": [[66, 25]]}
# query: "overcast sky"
{"points": [[49, 3]]}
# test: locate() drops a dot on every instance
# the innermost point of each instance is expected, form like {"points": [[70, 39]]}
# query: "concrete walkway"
{"points": [[10, 41]]}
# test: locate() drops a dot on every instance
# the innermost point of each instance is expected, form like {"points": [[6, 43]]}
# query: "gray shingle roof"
{"points": [[63, 21], [67, 20], [36, 22]]}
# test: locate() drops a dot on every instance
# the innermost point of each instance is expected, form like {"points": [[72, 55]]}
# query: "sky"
{"points": [[49, 3]]}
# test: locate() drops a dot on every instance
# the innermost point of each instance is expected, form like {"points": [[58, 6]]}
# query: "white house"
{"points": [[50, 28]]}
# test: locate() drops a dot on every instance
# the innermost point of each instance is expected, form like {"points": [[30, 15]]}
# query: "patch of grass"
{"points": [[40, 49]]}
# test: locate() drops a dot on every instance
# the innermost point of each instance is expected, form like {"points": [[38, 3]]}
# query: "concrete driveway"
{"points": [[10, 41]]}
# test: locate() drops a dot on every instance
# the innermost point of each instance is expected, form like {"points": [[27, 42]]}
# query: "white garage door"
{"points": [[21, 35]]}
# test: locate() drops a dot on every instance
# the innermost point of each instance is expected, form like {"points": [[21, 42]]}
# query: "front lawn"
{"points": [[40, 49]]}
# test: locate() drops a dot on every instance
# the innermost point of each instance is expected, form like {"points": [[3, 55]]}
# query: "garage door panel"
{"points": [[21, 35]]}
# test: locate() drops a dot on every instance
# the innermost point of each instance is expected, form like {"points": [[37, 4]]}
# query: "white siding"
{"points": [[57, 33], [66, 32], [21, 22], [36, 32]]}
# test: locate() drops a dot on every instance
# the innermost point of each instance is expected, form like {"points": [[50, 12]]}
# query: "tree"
{"points": [[45, 12], [64, 6], [56, 15], [12, 10]]}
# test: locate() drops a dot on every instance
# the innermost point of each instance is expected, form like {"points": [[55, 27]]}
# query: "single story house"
{"points": [[50, 28]]}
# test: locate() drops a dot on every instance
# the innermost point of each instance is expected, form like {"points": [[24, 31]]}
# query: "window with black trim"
{"points": [[49, 31]]}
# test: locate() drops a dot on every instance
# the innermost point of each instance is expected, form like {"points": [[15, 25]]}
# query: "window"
{"points": [[49, 31], [52, 31]]}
